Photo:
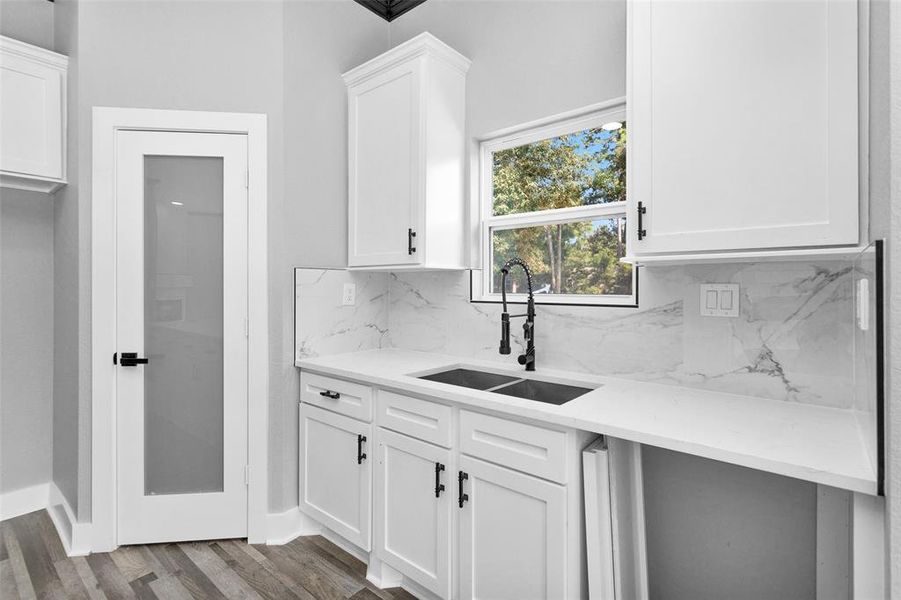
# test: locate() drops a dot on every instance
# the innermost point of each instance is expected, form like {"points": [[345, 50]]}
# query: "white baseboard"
{"points": [[23, 501], [283, 527], [75, 536], [348, 547]]}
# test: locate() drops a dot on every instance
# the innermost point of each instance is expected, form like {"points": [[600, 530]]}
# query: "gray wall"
{"points": [[71, 263], [718, 531], [529, 59], [323, 38], [893, 174], [885, 223], [28, 21], [26, 299], [26, 343]]}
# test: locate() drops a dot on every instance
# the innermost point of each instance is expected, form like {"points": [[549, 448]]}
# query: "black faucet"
{"points": [[528, 328]]}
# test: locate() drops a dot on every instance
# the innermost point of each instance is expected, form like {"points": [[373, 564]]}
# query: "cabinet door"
{"points": [[412, 517], [335, 472], [743, 124], [31, 117], [385, 168], [512, 535]]}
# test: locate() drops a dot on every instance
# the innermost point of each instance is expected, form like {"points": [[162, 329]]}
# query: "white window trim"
{"points": [[587, 117]]}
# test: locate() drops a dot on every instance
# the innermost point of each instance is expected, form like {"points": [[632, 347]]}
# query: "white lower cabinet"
{"points": [[335, 472], [513, 535], [413, 507], [465, 505]]}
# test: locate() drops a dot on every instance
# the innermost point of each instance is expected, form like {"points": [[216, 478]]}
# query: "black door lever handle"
{"points": [[130, 359]]}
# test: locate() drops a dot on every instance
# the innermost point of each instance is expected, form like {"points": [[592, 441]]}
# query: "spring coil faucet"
{"points": [[528, 328]]}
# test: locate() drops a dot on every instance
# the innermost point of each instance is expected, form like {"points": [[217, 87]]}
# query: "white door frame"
{"points": [[106, 122]]}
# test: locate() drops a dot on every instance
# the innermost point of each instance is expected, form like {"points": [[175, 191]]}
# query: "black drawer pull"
{"points": [[361, 456], [439, 487], [411, 249], [461, 497], [330, 394]]}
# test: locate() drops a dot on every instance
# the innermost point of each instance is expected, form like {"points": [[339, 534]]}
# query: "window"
{"points": [[554, 194]]}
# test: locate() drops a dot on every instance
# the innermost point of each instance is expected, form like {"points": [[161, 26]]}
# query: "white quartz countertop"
{"points": [[813, 443]]}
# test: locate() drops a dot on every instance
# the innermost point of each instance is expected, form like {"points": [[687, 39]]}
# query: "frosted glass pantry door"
{"points": [[181, 365]]}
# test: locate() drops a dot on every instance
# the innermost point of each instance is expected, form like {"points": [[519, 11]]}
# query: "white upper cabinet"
{"points": [[743, 125], [32, 117], [406, 153]]}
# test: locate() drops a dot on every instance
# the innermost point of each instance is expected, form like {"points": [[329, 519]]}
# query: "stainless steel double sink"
{"points": [[508, 385]]}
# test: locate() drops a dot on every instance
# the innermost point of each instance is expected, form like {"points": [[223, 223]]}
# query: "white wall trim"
{"points": [[23, 501], [106, 122], [75, 536], [868, 548], [285, 526]]}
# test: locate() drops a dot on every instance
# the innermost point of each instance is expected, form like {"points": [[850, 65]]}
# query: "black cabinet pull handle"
{"points": [[642, 232], [411, 249], [330, 394], [130, 359], [361, 456], [461, 497], [439, 487]]}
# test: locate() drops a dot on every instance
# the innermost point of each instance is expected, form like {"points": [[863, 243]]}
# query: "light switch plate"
{"points": [[719, 299], [349, 297]]}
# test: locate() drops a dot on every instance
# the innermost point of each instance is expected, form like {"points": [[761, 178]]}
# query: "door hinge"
{"points": [[246, 328], [246, 474], [247, 179]]}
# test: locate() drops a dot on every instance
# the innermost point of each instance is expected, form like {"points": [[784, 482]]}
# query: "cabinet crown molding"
{"points": [[34, 53], [423, 44]]}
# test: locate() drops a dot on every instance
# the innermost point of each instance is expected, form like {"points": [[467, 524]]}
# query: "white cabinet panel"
{"points": [[335, 472], [513, 539], [743, 124], [413, 518], [406, 153], [384, 163], [32, 116]]}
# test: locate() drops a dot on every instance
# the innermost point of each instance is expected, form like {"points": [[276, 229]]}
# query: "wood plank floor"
{"points": [[33, 564]]}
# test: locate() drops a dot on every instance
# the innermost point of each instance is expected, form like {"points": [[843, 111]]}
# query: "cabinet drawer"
{"points": [[527, 448], [421, 419], [344, 397]]}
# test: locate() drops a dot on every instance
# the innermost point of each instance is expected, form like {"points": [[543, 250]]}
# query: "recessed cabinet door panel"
{"points": [[385, 155], [334, 475], [512, 535], [30, 117], [413, 525], [743, 124]]}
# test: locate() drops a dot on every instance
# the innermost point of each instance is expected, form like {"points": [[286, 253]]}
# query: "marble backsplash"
{"points": [[794, 339]]}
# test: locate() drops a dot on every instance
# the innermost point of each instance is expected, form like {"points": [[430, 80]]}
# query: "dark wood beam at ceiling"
{"points": [[390, 9]]}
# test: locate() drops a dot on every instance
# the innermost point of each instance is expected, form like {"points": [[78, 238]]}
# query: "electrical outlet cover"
{"points": [[349, 297]]}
